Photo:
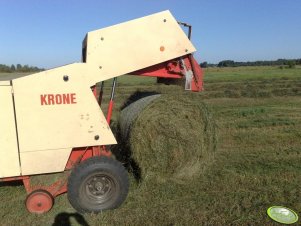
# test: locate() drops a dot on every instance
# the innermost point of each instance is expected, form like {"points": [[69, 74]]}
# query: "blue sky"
{"points": [[49, 33]]}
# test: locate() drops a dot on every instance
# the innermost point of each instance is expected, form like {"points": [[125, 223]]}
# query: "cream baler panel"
{"points": [[50, 161], [9, 160], [137, 44], [58, 126]]}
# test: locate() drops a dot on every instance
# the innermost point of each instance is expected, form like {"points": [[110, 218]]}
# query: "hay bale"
{"points": [[129, 114], [168, 134]]}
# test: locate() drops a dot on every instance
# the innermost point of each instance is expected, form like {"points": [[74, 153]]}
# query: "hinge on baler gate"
{"points": [[188, 75]]}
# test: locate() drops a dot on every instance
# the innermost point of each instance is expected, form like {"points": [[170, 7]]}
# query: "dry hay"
{"points": [[168, 135]]}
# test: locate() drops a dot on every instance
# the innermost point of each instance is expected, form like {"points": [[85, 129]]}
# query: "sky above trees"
{"points": [[49, 33]]}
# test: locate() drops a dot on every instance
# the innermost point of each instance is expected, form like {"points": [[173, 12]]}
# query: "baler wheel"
{"points": [[97, 184], [39, 201]]}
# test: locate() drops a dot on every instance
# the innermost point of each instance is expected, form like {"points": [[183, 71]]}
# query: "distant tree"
{"points": [[19, 67], [204, 64], [25, 68], [12, 68], [291, 64], [4, 68], [35, 69], [226, 63]]}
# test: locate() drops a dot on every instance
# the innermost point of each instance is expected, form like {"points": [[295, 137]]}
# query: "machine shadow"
{"points": [[11, 183], [63, 219], [123, 153]]}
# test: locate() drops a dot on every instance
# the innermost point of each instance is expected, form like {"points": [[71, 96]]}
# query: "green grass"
{"points": [[9, 76], [250, 73], [259, 83], [257, 164]]}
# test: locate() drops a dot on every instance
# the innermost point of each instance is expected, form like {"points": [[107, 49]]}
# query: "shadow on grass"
{"points": [[15, 183], [123, 153], [63, 219]]}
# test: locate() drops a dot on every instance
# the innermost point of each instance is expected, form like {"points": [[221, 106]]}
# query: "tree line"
{"points": [[19, 68], [231, 63]]}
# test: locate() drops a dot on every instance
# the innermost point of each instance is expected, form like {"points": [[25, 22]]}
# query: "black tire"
{"points": [[97, 184]]}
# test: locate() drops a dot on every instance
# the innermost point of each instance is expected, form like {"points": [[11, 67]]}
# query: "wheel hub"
{"points": [[99, 187]]}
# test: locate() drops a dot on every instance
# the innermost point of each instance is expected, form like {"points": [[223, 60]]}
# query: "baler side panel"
{"points": [[38, 162], [136, 44], [9, 160], [54, 116]]}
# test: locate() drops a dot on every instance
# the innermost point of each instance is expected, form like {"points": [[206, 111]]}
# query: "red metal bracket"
{"points": [[175, 70]]}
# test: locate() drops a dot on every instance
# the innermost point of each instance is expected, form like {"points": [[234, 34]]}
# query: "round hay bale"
{"points": [[168, 134], [130, 113]]}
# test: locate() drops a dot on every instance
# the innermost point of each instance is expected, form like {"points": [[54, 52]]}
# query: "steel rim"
{"points": [[98, 189], [39, 202]]}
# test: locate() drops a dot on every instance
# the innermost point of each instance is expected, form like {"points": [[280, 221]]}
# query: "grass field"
{"points": [[257, 164]]}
